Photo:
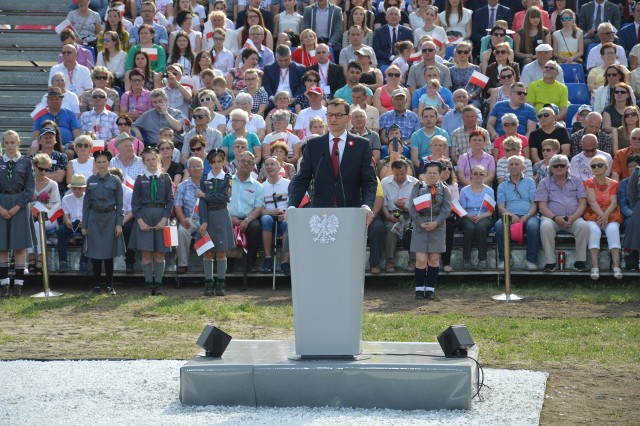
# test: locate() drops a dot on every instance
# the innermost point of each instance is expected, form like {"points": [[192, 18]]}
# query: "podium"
{"points": [[327, 280]]}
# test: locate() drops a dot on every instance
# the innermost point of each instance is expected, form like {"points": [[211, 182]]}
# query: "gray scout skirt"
{"points": [[150, 240], [220, 230], [18, 232], [101, 242], [428, 242]]}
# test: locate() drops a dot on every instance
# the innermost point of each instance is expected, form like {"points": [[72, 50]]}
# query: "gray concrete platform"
{"points": [[393, 375]]}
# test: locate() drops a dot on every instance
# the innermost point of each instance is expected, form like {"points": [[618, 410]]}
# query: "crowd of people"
{"points": [[205, 112]]}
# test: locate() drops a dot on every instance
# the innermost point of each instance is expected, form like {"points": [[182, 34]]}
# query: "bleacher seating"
{"points": [[578, 93], [573, 73]]}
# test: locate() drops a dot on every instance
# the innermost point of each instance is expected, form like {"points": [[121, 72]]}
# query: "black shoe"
{"points": [[267, 265], [208, 288], [17, 290], [4, 290], [157, 289], [148, 289], [419, 295], [549, 267], [429, 295], [285, 267], [129, 268], [580, 267], [97, 289], [220, 291], [111, 291]]}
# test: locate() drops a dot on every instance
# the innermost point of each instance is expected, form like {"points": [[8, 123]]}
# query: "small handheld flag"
{"points": [[203, 244]]}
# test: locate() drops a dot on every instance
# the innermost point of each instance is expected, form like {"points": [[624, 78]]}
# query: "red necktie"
{"points": [[335, 156]]}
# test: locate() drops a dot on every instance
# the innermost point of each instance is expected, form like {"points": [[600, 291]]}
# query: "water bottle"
{"points": [[132, 104]]}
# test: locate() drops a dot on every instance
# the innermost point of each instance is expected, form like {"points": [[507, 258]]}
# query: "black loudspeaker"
{"points": [[214, 341], [455, 341]]}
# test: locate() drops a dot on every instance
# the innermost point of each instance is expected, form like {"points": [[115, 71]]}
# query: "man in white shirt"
{"points": [[535, 70], [606, 34], [273, 215], [315, 109], [580, 166], [78, 77]]}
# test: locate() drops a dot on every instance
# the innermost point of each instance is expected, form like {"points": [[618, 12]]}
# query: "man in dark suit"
{"points": [[486, 17], [283, 74], [385, 36], [339, 163], [331, 75], [587, 20], [628, 36], [266, 15]]}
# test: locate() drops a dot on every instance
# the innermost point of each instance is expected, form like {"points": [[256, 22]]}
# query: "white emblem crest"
{"points": [[324, 227]]}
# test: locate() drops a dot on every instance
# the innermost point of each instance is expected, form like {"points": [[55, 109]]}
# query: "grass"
{"points": [[167, 327]]}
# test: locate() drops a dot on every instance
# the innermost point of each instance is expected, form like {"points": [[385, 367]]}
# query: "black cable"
{"points": [[479, 370]]}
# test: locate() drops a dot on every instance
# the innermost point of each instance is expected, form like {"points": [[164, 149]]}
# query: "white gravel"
{"points": [[147, 393]]}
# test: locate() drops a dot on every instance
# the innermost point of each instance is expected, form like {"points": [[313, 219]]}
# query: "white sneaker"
{"points": [[617, 273], [595, 273], [501, 264], [531, 266]]}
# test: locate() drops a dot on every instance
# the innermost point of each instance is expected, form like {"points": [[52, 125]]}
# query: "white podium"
{"points": [[327, 280]]}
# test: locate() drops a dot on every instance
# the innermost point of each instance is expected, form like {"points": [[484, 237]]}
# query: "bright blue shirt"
{"points": [[421, 141], [245, 196], [525, 113], [345, 93], [472, 202], [445, 94], [227, 142], [517, 198], [66, 120]]}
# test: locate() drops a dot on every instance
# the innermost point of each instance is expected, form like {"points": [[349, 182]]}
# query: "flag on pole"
{"points": [[38, 112], [479, 79], [249, 43], [457, 208], [54, 215], [98, 145], [422, 202], [129, 182], [241, 238], [415, 57], [188, 82], [64, 25], [152, 52], [203, 244], [39, 207], [170, 234], [489, 203], [109, 105]]}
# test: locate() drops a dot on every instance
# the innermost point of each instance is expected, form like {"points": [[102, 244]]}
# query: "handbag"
{"points": [[406, 238]]}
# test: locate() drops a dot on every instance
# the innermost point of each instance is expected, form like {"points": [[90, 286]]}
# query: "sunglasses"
{"points": [[197, 149], [98, 97], [559, 166], [83, 145], [478, 173], [506, 76], [462, 52], [101, 77], [521, 93], [499, 34], [123, 123], [615, 74], [500, 52], [202, 100], [393, 74], [200, 116], [42, 169], [566, 19], [631, 114], [106, 40], [597, 166], [620, 92], [544, 115], [430, 50], [508, 124], [550, 68]]}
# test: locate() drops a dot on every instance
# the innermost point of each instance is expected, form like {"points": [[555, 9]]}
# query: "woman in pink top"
{"points": [[124, 125]]}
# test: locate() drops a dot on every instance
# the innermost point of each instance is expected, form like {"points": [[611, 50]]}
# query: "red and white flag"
{"points": [[152, 52], [203, 244], [109, 105], [489, 203], [170, 234], [129, 182], [209, 35], [422, 202], [189, 82], [121, 9], [249, 43], [38, 207], [54, 215], [458, 209], [98, 145], [416, 57], [38, 112], [64, 25], [438, 42], [241, 238], [479, 79]]}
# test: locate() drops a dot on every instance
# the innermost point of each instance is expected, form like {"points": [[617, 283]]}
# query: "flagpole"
{"points": [[507, 296], [45, 266]]}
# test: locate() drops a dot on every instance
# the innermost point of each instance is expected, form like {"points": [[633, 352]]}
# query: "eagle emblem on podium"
{"points": [[324, 227]]}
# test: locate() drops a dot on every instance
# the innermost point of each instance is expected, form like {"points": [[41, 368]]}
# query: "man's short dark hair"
{"points": [[359, 88], [338, 102], [399, 164], [429, 108], [354, 64]]}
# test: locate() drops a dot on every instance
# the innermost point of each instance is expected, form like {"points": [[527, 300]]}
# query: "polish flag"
{"points": [[152, 52], [305, 200], [39, 112], [54, 215], [249, 43], [422, 202], [209, 36], [479, 79], [458, 209], [170, 236], [128, 182], [203, 244], [98, 145], [438, 43], [64, 25], [39, 207], [109, 105], [489, 203], [241, 238], [121, 9], [196, 209], [188, 82], [416, 57]]}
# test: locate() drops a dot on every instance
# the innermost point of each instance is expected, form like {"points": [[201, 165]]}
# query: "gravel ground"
{"points": [[146, 393]]}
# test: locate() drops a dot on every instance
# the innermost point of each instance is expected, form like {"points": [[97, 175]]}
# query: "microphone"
{"points": [[344, 197], [319, 163]]}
